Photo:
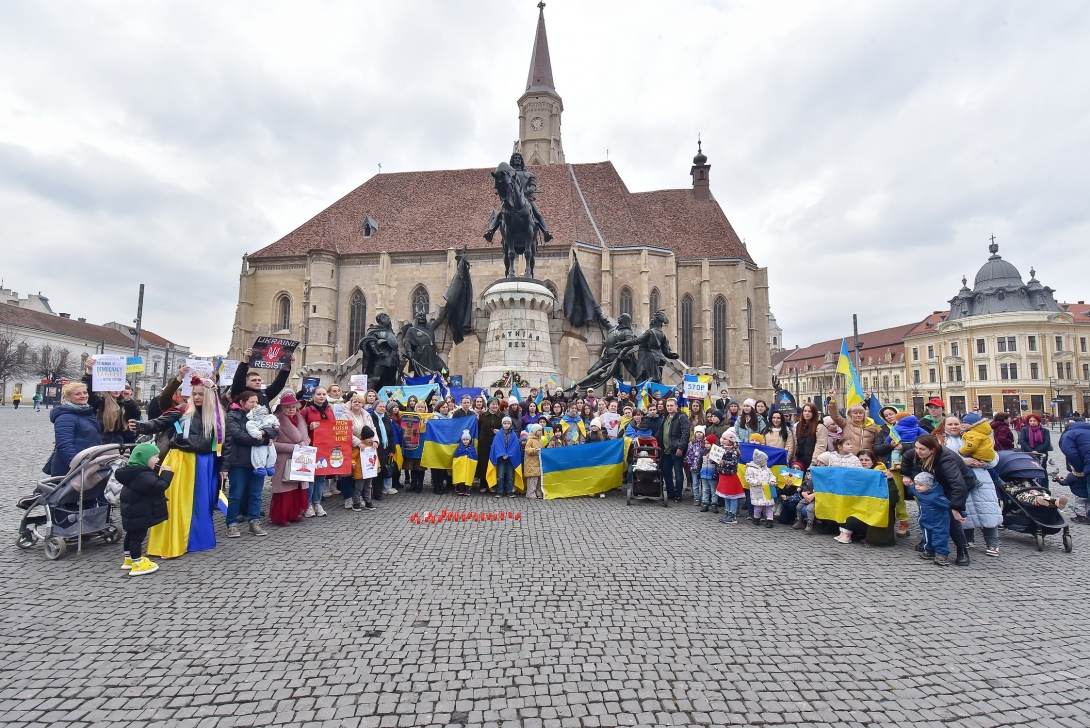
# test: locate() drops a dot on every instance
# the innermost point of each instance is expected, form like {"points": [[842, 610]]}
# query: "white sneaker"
{"points": [[309, 512], [390, 491], [348, 504], [318, 510]]}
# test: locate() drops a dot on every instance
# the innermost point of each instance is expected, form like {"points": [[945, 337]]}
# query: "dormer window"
{"points": [[369, 227]]}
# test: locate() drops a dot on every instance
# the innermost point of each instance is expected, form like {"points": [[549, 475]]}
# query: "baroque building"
{"points": [[390, 244]]}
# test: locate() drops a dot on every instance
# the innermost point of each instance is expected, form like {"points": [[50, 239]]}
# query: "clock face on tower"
{"points": [[536, 123]]}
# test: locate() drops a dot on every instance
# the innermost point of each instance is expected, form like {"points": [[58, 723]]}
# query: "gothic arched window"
{"points": [[421, 301], [283, 313], [719, 333], [357, 318], [654, 301], [687, 329], [626, 300]]}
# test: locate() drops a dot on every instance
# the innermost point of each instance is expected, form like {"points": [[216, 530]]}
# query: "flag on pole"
{"points": [[846, 367]]}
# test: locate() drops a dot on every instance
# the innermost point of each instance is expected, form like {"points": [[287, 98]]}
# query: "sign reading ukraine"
{"points": [[589, 469]]}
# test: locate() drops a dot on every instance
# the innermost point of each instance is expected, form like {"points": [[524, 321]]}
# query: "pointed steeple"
{"points": [[541, 69]]}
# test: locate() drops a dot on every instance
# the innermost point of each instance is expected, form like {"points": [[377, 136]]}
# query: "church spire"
{"points": [[541, 69]]}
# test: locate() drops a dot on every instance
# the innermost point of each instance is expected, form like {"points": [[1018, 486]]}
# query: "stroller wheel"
{"points": [[55, 548], [111, 535], [1069, 543], [1040, 542], [24, 541]]}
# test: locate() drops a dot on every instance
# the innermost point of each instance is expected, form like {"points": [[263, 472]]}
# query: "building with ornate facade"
{"points": [[389, 246], [1003, 345]]}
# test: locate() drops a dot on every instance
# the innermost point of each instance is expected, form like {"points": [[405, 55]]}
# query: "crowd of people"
{"points": [[209, 445]]}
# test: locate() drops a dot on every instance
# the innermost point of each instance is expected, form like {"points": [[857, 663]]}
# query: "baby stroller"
{"points": [[66, 510], [645, 472], [1020, 468]]}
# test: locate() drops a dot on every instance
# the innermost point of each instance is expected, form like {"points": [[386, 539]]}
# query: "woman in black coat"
{"points": [[952, 475]]}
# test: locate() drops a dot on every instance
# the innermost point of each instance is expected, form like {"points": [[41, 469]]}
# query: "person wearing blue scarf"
{"points": [[638, 427], [503, 454], [572, 426], [384, 429]]}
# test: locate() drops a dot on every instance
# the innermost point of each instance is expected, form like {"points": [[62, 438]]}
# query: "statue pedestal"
{"points": [[518, 332]]}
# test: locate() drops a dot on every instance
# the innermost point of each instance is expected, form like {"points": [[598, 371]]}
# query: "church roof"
{"points": [[437, 210], [541, 68], [998, 288]]}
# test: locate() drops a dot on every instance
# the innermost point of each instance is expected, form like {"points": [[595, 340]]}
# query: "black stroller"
{"points": [[1022, 470], [644, 482], [66, 510]]}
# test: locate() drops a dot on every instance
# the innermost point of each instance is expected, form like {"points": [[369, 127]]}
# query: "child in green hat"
{"points": [[143, 504]]}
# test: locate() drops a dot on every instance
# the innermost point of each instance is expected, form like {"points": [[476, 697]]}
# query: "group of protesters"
{"points": [[209, 445]]}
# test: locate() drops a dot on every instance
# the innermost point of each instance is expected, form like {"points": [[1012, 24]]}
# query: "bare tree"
{"points": [[54, 364], [14, 356]]}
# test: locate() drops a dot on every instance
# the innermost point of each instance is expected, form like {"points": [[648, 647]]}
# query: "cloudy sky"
{"points": [[865, 151]]}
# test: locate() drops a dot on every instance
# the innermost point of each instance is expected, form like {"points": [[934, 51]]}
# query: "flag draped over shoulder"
{"points": [[441, 439], [840, 493], [458, 392], [851, 377], [567, 472], [505, 444], [777, 461], [465, 464]]}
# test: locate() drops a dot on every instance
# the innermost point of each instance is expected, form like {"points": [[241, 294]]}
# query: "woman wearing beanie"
{"points": [[749, 422], [143, 504], [289, 497]]}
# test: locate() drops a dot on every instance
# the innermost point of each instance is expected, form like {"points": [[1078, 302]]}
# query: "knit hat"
{"points": [[829, 422], [142, 453], [760, 458], [972, 418], [825, 457], [710, 439], [534, 429], [491, 400], [757, 439], [751, 402], [467, 435], [596, 423], [902, 415], [716, 413], [700, 430], [512, 400], [730, 435], [506, 421], [924, 479]]}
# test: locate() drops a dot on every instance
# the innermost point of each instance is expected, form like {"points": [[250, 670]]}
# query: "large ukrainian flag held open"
{"points": [[846, 367], [577, 470], [840, 493], [442, 438]]}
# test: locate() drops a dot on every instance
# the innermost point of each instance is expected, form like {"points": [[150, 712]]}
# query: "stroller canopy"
{"points": [[1019, 465]]}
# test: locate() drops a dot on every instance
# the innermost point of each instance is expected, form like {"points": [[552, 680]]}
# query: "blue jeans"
{"points": [[244, 484], [805, 512], [314, 494], [730, 505], [673, 474], [505, 477], [705, 491]]}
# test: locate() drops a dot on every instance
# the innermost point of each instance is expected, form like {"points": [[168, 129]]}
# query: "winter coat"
{"points": [[978, 442], [1075, 445], [773, 439], [757, 477], [1042, 447], [531, 461], [293, 431], [143, 496], [807, 449], [1004, 437], [694, 455], [129, 411], [950, 471], [314, 413], [238, 442], [74, 429], [486, 422], [908, 429], [238, 385], [744, 433], [679, 432], [862, 436], [982, 507]]}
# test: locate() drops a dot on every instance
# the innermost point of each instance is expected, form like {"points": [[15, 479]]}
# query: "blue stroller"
{"points": [[1019, 471]]}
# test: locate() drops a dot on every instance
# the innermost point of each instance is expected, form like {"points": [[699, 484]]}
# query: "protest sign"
{"points": [[716, 454], [228, 367], [369, 463], [306, 390], [340, 411], [412, 433], [272, 353], [791, 476], [611, 421], [201, 368], [358, 383], [134, 364], [333, 438], [694, 388], [303, 458], [108, 373]]}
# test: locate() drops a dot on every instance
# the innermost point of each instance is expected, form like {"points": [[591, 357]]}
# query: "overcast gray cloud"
{"points": [[865, 151]]}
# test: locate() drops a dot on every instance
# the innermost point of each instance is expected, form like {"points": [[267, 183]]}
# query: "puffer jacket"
{"points": [[1075, 445], [978, 442], [238, 443], [143, 496], [862, 437], [74, 429]]}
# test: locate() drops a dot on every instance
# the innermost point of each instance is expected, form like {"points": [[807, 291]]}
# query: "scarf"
{"points": [[380, 428], [1035, 437]]}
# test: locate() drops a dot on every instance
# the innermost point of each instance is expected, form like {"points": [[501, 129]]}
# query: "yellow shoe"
{"points": [[127, 564], [143, 566]]}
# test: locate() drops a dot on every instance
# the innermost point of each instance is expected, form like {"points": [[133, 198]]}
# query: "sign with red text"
{"points": [[333, 438]]}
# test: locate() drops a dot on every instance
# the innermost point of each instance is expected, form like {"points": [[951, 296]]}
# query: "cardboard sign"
{"points": [[369, 462], [358, 383], [333, 438], [108, 373], [303, 459], [695, 389], [134, 364], [716, 454], [272, 353], [612, 422], [228, 367], [197, 368]]}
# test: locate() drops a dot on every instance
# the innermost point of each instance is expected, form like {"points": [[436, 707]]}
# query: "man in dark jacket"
{"points": [[465, 409], [246, 378], [673, 437], [1075, 445]]}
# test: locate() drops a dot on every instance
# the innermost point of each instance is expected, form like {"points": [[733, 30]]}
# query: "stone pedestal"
{"points": [[518, 332]]}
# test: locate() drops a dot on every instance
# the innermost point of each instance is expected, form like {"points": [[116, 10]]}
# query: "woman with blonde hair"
{"points": [[113, 414], [75, 427]]}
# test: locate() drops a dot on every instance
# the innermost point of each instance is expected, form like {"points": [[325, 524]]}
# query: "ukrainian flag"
{"points": [[399, 440], [513, 450], [840, 493], [465, 464], [777, 461], [851, 377], [567, 472], [442, 438], [403, 392]]}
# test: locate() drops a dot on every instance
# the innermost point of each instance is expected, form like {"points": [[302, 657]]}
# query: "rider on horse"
{"points": [[529, 189]]}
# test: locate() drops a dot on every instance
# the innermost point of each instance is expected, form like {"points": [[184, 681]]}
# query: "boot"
{"points": [[799, 525], [771, 522], [942, 560], [357, 505], [963, 557], [257, 530]]}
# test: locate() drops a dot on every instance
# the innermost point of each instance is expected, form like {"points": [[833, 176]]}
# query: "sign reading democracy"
{"points": [[108, 373]]}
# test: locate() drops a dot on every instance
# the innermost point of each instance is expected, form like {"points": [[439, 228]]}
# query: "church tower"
{"points": [[540, 106]]}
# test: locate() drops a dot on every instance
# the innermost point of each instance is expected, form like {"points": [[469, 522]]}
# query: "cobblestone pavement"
{"points": [[585, 612]]}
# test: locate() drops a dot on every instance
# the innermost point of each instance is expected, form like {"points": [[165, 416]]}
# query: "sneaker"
{"points": [[389, 491], [715, 509], [902, 529], [843, 538], [349, 505], [318, 510], [369, 506], [927, 554], [727, 519], [798, 525], [257, 530], [232, 531], [942, 560], [496, 496], [512, 495], [970, 544], [810, 529], [704, 509], [992, 551], [143, 566], [354, 505], [126, 564]]}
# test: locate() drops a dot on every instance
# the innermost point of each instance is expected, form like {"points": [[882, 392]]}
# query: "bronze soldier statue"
{"points": [[654, 350], [614, 362], [381, 361], [418, 348]]}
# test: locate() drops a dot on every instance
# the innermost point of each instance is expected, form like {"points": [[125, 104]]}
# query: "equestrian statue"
{"points": [[518, 218]]}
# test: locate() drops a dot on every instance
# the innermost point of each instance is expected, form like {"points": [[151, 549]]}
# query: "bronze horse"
{"points": [[516, 221]]}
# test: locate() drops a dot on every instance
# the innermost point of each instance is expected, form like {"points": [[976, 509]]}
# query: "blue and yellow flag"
{"points": [[465, 464], [505, 444], [840, 493], [846, 367], [442, 438], [777, 461], [402, 392], [567, 472]]}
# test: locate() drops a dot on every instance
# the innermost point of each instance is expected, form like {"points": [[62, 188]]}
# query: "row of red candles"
{"points": [[463, 516]]}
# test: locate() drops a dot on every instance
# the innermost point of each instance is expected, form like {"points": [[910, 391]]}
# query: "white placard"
{"points": [[716, 454], [696, 390], [358, 383], [227, 374], [108, 373], [301, 468], [612, 421], [369, 462], [340, 411], [197, 368]]}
